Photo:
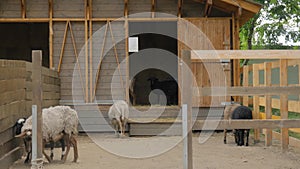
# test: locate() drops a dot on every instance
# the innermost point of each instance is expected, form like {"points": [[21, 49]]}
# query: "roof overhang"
{"points": [[242, 9]]}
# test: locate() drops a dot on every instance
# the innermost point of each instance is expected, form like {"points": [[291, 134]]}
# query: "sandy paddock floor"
{"points": [[213, 154]]}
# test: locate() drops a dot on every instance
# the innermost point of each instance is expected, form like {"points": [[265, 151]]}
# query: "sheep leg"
{"points": [[63, 147], [121, 127], [51, 149], [27, 157], [28, 150], [46, 155], [74, 143], [241, 137], [247, 135], [67, 139], [225, 134]]}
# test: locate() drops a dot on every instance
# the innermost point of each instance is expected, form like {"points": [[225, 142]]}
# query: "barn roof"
{"points": [[244, 9]]}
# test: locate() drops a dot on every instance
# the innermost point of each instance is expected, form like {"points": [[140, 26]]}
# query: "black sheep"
{"points": [[241, 112], [169, 87]]}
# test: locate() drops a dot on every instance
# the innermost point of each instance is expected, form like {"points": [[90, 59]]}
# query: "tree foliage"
{"points": [[277, 19]]}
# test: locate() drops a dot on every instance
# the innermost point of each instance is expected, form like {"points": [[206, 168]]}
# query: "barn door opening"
{"points": [[153, 63], [19, 39]]}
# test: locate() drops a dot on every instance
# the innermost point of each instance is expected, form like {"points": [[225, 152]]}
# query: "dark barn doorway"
{"points": [[19, 39], [153, 69]]}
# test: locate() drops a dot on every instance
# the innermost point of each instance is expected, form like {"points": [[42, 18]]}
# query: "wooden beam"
{"points": [[23, 8], [208, 6], [86, 38], [256, 110], [91, 48], [126, 8], [116, 53], [179, 5], [186, 86], [152, 8], [50, 4], [245, 84], [268, 107], [246, 124], [37, 92], [100, 62], [247, 91], [77, 60], [249, 6], [62, 50], [245, 54], [284, 104]]}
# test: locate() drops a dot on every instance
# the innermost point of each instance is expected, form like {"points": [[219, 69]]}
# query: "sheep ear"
{"points": [[21, 135]]}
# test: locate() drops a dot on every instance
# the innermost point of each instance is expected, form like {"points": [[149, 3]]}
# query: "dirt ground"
{"points": [[213, 154]]}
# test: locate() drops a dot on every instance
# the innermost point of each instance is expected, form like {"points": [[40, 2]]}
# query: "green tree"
{"points": [[277, 18]]}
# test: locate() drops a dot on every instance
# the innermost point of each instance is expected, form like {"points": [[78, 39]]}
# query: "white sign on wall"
{"points": [[133, 44]]}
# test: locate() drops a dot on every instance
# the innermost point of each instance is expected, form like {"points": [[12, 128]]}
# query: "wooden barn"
{"points": [[97, 50]]}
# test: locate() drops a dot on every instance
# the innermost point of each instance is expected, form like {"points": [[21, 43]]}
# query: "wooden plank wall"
{"points": [[12, 107], [211, 34], [11, 8], [68, 56], [109, 67], [15, 102]]}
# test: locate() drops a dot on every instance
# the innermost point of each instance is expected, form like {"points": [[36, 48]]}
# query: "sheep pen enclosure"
{"points": [[213, 154]]}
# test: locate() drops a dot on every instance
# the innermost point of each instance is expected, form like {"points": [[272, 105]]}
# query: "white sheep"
{"points": [[118, 114], [58, 122]]}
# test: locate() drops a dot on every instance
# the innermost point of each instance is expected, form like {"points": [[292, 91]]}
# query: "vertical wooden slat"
{"points": [[91, 48], [86, 50], [23, 9], [186, 86], [268, 99], [125, 8], [284, 103], [50, 3], [152, 8], [127, 51], [246, 84], [256, 101], [179, 8]]}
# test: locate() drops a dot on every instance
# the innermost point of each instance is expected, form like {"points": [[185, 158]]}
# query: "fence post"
{"points": [[268, 99], [37, 100], [256, 101], [246, 84], [284, 104], [187, 98]]}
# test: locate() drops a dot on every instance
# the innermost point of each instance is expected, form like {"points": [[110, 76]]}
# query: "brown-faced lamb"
{"points": [[59, 122], [118, 115]]}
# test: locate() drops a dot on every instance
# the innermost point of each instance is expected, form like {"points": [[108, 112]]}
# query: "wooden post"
{"points": [[268, 106], [86, 37], [37, 99], [246, 84], [284, 104], [50, 2], [186, 94], [256, 101]]}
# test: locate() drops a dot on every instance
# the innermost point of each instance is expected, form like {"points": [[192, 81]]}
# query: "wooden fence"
{"points": [[257, 89], [15, 102], [266, 74]]}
